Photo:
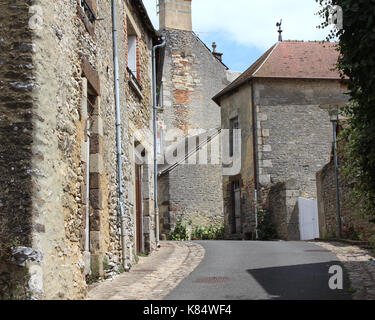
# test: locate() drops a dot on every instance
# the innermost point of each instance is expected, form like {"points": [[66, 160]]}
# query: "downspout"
{"points": [[87, 200], [255, 154], [155, 110], [118, 134]]}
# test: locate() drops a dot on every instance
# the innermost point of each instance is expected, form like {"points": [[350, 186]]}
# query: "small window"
{"points": [[132, 54], [133, 66], [234, 125]]}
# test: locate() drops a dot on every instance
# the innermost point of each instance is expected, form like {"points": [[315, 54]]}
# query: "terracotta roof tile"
{"points": [[292, 59]]}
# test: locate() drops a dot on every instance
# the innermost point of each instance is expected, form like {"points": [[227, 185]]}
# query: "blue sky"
{"points": [[237, 56], [244, 29]]}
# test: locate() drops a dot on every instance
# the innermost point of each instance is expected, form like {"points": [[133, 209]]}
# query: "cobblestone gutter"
{"points": [[154, 277], [360, 265]]}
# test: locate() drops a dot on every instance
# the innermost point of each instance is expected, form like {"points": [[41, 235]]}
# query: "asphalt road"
{"points": [[245, 270]]}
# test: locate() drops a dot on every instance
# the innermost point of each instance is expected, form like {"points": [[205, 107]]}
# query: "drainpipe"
{"points": [[339, 221], [155, 109], [118, 135], [255, 153], [87, 200]]}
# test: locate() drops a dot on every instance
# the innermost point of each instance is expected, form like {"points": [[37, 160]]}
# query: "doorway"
{"points": [[308, 219], [236, 208]]}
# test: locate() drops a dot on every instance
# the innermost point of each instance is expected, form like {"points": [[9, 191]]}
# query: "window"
{"points": [[234, 125], [132, 54], [160, 137], [133, 66]]}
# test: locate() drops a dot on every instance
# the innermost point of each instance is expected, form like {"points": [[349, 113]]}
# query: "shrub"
{"points": [[266, 228], [350, 233], [180, 232], [208, 233]]}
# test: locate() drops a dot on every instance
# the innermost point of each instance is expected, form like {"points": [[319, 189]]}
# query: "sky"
{"points": [[244, 29]]}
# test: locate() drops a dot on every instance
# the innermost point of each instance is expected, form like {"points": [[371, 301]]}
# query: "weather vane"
{"points": [[278, 24]]}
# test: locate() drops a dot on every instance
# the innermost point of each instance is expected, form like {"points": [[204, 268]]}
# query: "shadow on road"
{"points": [[300, 282]]}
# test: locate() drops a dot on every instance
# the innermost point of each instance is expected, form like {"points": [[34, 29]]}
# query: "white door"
{"points": [[308, 219]]}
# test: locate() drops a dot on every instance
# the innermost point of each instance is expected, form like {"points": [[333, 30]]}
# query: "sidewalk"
{"points": [[360, 265], [154, 277]]}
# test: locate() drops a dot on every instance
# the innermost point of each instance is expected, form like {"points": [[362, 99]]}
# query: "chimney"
{"points": [[218, 55], [175, 14]]}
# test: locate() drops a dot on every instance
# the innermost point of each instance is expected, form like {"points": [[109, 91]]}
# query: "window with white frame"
{"points": [[132, 54], [133, 66]]}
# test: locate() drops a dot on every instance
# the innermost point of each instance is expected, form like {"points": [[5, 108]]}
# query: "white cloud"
{"points": [[253, 22]]}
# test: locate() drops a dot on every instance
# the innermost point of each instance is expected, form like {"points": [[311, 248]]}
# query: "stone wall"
{"points": [[17, 87], [192, 76], [232, 106], [294, 131], [44, 112], [188, 192], [293, 135], [327, 206], [282, 200]]}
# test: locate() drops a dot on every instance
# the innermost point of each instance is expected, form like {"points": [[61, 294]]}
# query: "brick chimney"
{"points": [[175, 14]]}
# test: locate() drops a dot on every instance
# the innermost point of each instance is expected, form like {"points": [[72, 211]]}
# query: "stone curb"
{"points": [[360, 266], [352, 242], [154, 284]]}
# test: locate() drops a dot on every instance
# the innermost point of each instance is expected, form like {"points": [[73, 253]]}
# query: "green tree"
{"points": [[357, 62]]}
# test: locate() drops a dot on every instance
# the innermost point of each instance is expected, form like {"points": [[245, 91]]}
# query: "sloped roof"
{"points": [[140, 7], [200, 40], [292, 60]]}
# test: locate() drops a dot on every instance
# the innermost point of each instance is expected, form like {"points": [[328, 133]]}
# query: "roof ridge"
{"points": [[266, 59], [248, 73], [209, 50]]}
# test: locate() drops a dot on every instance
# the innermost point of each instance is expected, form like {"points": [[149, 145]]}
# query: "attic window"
{"points": [[233, 135]]}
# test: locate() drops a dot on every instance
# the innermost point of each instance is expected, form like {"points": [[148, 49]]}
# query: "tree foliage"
{"points": [[357, 62]]}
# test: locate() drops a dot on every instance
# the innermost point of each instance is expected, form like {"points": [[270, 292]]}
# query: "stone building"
{"points": [[192, 75], [281, 105], [59, 200]]}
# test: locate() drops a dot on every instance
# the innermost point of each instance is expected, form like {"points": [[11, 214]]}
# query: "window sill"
{"points": [[134, 84]]}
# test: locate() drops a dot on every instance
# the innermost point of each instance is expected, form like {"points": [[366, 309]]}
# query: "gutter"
{"points": [[155, 112], [87, 201], [118, 135]]}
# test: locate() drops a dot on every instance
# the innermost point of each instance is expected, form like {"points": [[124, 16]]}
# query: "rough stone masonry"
{"points": [[192, 76], [58, 144], [282, 105]]}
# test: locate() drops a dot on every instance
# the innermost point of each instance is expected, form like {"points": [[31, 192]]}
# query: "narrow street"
{"points": [[227, 270], [137, 135], [261, 270]]}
